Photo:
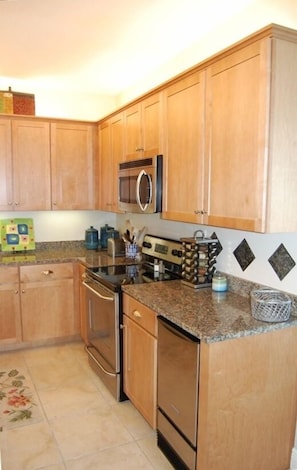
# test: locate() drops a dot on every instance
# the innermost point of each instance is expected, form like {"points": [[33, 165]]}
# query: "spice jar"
{"points": [[219, 282]]}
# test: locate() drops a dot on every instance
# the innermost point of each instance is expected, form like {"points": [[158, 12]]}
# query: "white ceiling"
{"points": [[100, 45]]}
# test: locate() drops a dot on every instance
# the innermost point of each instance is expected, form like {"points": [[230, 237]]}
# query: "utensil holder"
{"points": [[131, 250]]}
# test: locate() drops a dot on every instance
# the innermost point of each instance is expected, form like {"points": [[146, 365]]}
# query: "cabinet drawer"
{"points": [[46, 272], [8, 274], [141, 314]]}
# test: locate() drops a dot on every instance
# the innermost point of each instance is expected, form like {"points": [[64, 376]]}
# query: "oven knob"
{"points": [[177, 253], [147, 244]]}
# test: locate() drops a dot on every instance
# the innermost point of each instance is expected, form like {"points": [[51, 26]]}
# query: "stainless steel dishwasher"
{"points": [[178, 377]]}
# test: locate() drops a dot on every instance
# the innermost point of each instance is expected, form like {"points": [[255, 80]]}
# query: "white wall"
{"points": [[50, 226]]}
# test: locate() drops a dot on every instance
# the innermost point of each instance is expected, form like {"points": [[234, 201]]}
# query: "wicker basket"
{"points": [[270, 305]]}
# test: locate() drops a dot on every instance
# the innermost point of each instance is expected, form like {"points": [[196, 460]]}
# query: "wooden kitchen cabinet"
{"points": [[251, 135], [24, 164], [185, 179], [140, 357], [10, 318], [74, 168], [247, 402], [143, 128], [48, 308], [111, 153]]}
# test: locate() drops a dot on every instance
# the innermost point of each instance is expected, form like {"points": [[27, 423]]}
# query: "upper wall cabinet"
{"points": [[184, 191], [24, 165], [143, 128], [73, 150], [110, 155], [251, 136]]}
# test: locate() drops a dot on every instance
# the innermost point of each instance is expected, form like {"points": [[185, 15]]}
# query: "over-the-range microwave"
{"points": [[140, 185]]}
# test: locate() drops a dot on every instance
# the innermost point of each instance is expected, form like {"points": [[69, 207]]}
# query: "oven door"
{"points": [[103, 333]]}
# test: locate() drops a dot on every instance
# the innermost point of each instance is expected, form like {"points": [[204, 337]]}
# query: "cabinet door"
{"points": [[31, 165], [47, 302], [185, 184], [6, 196], [237, 110], [140, 355], [73, 148], [152, 125], [48, 310], [105, 168], [110, 155], [10, 322], [133, 138]]}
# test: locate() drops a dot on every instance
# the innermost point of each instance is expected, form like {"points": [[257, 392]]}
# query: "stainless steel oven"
{"points": [[103, 348], [104, 304]]}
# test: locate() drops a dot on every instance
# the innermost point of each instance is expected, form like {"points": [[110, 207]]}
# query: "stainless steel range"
{"points": [[161, 261]]}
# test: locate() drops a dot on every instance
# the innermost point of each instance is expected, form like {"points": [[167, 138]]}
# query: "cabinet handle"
{"points": [[47, 272], [202, 211], [136, 314], [139, 149]]}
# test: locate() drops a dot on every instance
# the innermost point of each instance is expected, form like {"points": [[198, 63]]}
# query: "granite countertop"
{"points": [[205, 314], [61, 252]]}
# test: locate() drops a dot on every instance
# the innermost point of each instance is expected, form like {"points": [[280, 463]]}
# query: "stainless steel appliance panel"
{"points": [[178, 373], [103, 323], [182, 452], [103, 345]]}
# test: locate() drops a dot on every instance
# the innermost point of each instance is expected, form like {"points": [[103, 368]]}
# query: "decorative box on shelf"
{"points": [[14, 102]]}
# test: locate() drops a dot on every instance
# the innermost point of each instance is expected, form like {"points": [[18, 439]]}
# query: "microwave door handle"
{"points": [[141, 174]]}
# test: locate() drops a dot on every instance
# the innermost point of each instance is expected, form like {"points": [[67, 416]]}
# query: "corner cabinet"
{"points": [[140, 357], [24, 165], [184, 177], [74, 171]]}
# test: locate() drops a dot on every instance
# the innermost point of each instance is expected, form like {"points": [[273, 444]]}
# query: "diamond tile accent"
{"points": [[281, 261], [244, 254], [219, 246]]}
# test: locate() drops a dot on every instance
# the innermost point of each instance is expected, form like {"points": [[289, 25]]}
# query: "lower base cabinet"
{"points": [[47, 302], [140, 357], [247, 403], [38, 305]]}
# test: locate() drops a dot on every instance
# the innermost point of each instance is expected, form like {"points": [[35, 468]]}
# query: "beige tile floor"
{"points": [[82, 427]]}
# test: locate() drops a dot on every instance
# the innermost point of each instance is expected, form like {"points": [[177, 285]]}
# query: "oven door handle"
{"points": [[104, 297], [98, 363]]}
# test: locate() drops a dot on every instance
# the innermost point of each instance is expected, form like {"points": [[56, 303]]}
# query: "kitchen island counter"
{"points": [[208, 315]]}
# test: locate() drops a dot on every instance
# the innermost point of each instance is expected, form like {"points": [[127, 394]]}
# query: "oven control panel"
{"points": [[163, 249]]}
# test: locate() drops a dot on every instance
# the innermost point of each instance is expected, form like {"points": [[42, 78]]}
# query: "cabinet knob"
{"points": [[16, 291], [47, 272], [136, 314], [16, 203], [23, 291]]}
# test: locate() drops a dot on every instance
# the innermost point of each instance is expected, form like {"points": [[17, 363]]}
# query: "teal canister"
{"points": [[91, 238]]}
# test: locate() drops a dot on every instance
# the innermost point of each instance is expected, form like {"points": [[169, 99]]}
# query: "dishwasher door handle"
{"points": [[184, 335]]}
